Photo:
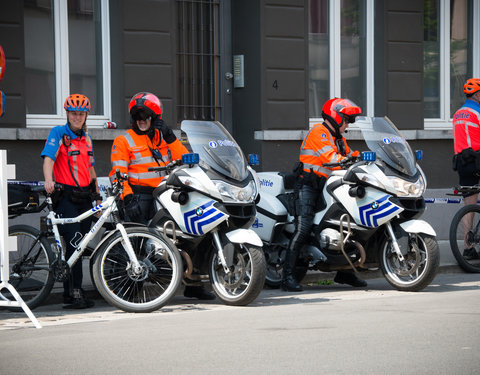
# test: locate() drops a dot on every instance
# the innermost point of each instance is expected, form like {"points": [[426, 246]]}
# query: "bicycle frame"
{"points": [[107, 207]]}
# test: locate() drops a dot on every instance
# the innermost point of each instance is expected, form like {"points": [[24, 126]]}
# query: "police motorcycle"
{"points": [[369, 220], [206, 205]]}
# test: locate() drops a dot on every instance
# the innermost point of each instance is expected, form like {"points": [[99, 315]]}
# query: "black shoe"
{"points": [[67, 300], [350, 279], [289, 284], [470, 254], [198, 292], [79, 301]]}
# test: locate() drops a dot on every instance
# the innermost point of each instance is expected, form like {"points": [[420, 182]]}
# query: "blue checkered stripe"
{"points": [[369, 216], [194, 224]]}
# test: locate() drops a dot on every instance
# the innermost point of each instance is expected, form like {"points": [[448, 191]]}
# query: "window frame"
{"points": [[334, 41], [445, 121], [62, 70]]}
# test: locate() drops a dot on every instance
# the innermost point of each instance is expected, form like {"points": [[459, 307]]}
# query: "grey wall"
{"points": [[403, 22], [13, 84], [148, 52]]}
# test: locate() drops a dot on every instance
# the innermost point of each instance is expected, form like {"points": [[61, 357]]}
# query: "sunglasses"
{"points": [[142, 116], [349, 119]]}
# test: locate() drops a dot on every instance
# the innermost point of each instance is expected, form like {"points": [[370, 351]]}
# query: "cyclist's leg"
{"points": [[468, 177]]}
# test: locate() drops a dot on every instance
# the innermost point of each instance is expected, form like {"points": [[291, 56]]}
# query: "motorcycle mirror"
{"points": [[419, 154], [369, 156], [190, 159], [253, 159]]}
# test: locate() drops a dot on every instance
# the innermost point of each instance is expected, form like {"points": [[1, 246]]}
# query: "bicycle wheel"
{"points": [[30, 267], [144, 290], [465, 237]]}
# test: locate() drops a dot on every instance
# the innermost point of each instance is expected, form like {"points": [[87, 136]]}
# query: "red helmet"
{"points": [[471, 86], [77, 102], [2, 63], [147, 102], [336, 109]]}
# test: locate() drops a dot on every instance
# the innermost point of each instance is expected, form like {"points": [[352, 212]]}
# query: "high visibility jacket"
{"points": [[318, 147], [466, 127], [72, 154], [133, 154]]}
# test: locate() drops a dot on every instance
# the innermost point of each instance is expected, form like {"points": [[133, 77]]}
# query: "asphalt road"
{"points": [[331, 329]]}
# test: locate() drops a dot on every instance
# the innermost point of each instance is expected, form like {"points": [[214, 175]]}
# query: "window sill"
{"points": [[42, 134], [352, 134]]}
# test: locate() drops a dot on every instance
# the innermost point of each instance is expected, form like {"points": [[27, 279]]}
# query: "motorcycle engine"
{"points": [[330, 239]]}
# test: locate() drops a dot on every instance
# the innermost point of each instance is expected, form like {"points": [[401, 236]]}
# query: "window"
{"points": [[198, 60], [341, 53], [66, 51], [450, 56]]}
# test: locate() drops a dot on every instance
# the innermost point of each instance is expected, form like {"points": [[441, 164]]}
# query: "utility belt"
{"points": [[81, 195], [467, 156]]}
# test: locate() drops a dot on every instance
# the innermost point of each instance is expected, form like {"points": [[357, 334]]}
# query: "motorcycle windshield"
{"points": [[216, 148], [384, 138]]}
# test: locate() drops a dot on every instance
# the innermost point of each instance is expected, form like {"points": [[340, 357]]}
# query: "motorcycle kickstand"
{"points": [[396, 248], [219, 246]]}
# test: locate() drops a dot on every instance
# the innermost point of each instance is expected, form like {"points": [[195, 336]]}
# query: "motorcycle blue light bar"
{"points": [[419, 154], [369, 156], [190, 159], [253, 159]]}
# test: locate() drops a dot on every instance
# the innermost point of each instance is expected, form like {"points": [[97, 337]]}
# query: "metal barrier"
{"points": [[8, 243]]}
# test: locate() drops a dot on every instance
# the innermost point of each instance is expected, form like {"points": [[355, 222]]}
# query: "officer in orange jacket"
{"points": [[150, 143], [466, 141], [324, 143]]}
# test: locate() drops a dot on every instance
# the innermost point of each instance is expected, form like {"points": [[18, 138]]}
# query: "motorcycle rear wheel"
{"points": [[275, 258], [161, 275], [246, 278], [420, 266]]}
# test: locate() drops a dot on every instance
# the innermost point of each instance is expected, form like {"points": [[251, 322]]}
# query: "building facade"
{"points": [[263, 68]]}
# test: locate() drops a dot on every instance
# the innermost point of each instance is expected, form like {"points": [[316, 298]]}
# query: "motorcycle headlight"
{"points": [[408, 189], [237, 194]]}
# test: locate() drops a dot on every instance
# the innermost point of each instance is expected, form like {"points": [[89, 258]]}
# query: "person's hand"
{"points": [[167, 133], [49, 186], [132, 208]]}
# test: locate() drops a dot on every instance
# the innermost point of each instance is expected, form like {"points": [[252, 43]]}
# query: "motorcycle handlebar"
{"points": [[167, 167]]}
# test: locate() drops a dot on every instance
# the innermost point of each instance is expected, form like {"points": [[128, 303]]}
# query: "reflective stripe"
{"points": [[316, 168], [120, 163], [146, 175], [131, 144], [143, 160]]}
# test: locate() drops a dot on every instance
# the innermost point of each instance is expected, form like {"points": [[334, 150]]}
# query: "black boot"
{"points": [[199, 292], [289, 283], [350, 279]]}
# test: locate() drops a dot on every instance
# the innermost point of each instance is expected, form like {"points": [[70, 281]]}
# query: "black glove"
{"points": [[167, 133], [132, 208]]}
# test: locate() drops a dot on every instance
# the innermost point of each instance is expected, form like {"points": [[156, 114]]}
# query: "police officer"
{"points": [[68, 160], [149, 143], [324, 143], [466, 139]]}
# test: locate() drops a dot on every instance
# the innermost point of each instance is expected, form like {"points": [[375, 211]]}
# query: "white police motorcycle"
{"points": [[206, 205], [369, 217]]}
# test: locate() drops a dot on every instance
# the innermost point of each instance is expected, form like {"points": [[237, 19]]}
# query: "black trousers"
{"points": [[305, 208], [72, 234]]}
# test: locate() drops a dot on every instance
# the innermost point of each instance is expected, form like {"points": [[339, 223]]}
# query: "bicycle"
{"points": [[460, 239], [135, 268]]}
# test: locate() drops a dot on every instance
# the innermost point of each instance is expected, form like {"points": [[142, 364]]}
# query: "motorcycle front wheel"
{"points": [[132, 291], [245, 279], [419, 267]]}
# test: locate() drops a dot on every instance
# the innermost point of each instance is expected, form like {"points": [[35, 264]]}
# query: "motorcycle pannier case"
{"points": [[21, 199]]}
